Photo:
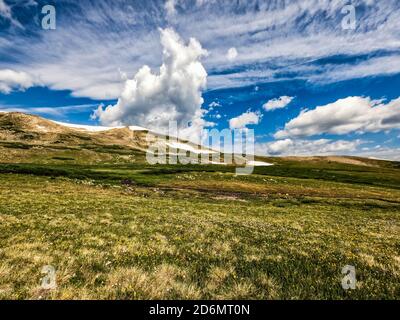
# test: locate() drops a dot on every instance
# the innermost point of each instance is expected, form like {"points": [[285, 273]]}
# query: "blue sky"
{"points": [[334, 90]]}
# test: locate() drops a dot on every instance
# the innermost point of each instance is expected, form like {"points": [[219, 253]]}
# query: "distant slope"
{"points": [[358, 161], [33, 138]]}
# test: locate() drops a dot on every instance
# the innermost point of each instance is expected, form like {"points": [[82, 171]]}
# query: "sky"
{"points": [[313, 77]]}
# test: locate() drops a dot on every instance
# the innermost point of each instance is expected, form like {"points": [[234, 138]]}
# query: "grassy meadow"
{"points": [[129, 230]]}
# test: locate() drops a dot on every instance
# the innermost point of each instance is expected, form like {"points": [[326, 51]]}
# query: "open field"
{"points": [[115, 227], [191, 232]]}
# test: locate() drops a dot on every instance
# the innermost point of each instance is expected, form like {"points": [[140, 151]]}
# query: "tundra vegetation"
{"points": [[115, 227]]}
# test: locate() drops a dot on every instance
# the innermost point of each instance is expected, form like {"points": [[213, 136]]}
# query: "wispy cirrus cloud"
{"points": [[5, 10], [50, 111], [86, 55]]}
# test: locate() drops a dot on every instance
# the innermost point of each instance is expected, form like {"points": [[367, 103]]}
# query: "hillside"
{"points": [[30, 138]]}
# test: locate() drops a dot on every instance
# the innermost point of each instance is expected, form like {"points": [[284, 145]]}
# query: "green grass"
{"points": [[135, 231], [115, 227]]}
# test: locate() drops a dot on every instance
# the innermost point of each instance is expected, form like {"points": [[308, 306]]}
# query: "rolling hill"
{"points": [[28, 135]]}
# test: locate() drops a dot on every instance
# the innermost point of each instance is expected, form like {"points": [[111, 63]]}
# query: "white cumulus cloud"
{"points": [[352, 114], [232, 54], [173, 94], [214, 104], [244, 120], [278, 103], [300, 147], [14, 80]]}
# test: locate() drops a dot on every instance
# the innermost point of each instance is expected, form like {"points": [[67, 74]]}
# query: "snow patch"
{"points": [[259, 164], [96, 128], [184, 146], [137, 128]]}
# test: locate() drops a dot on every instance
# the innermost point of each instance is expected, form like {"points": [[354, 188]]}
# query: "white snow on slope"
{"points": [[184, 146], [97, 128], [137, 128], [259, 164], [175, 145]]}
